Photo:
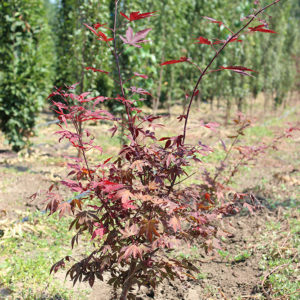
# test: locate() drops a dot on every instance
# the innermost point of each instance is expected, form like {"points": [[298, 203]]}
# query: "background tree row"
{"points": [[45, 44]]}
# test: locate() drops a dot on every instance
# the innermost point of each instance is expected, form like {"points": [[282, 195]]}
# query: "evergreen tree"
{"points": [[26, 73]]}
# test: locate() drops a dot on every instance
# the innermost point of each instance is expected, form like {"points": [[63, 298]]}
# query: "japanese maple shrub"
{"points": [[132, 206]]}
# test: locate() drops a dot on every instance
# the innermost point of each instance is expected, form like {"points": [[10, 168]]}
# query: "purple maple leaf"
{"points": [[141, 91], [136, 39]]}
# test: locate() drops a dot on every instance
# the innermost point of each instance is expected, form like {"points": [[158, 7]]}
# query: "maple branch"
{"points": [[195, 65], [119, 72], [227, 28], [213, 59], [212, 46], [187, 177], [226, 156], [82, 148], [75, 124], [128, 281]]}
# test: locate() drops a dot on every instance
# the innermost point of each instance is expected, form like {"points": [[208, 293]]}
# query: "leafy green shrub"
{"points": [[26, 52]]}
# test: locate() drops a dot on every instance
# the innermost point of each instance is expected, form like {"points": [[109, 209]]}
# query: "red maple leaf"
{"points": [[100, 231], [237, 68], [175, 223], [64, 207], [129, 230], [131, 250], [181, 117], [109, 186], [141, 91], [98, 25], [102, 36], [236, 39], [207, 196], [136, 15], [261, 29], [202, 40], [175, 61], [213, 21], [149, 228], [96, 70], [140, 75]]}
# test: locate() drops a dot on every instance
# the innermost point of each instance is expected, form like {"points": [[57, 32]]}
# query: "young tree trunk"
{"points": [[274, 100], [228, 107], [82, 77], [170, 95], [240, 104], [288, 99], [199, 100], [251, 106], [128, 281], [158, 92], [218, 103], [212, 103], [266, 101]]}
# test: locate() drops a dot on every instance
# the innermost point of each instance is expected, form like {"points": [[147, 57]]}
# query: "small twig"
{"points": [[227, 155], [195, 65], [269, 274], [222, 294], [184, 178], [295, 292], [250, 297]]}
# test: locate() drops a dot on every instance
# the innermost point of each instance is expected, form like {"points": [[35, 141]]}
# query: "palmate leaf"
{"points": [[98, 25], [149, 229], [125, 196], [238, 69], [136, 15], [99, 231], [135, 39], [101, 36], [202, 40], [129, 231], [174, 61], [175, 223], [132, 250], [261, 28]]}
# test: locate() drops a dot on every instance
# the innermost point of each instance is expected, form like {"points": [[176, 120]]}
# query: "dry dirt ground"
{"points": [[237, 277], [236, 272]]}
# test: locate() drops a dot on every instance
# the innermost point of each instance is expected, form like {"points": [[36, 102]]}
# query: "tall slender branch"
{"points": [[213, 59], [116, 55]]}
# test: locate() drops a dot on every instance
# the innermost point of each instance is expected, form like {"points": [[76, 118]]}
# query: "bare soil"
{"points": [[220, 278]]}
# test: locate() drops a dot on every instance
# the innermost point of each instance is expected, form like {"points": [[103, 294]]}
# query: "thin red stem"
{"points": [[119, 72], [213, 59]]}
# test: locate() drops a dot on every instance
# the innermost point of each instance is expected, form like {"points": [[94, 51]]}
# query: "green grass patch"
{"points": [[28, 250], [259, 131], [282, 257]]}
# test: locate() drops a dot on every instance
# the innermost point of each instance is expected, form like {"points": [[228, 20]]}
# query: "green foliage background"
{"points": [[45, 44], [27, 70]]}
